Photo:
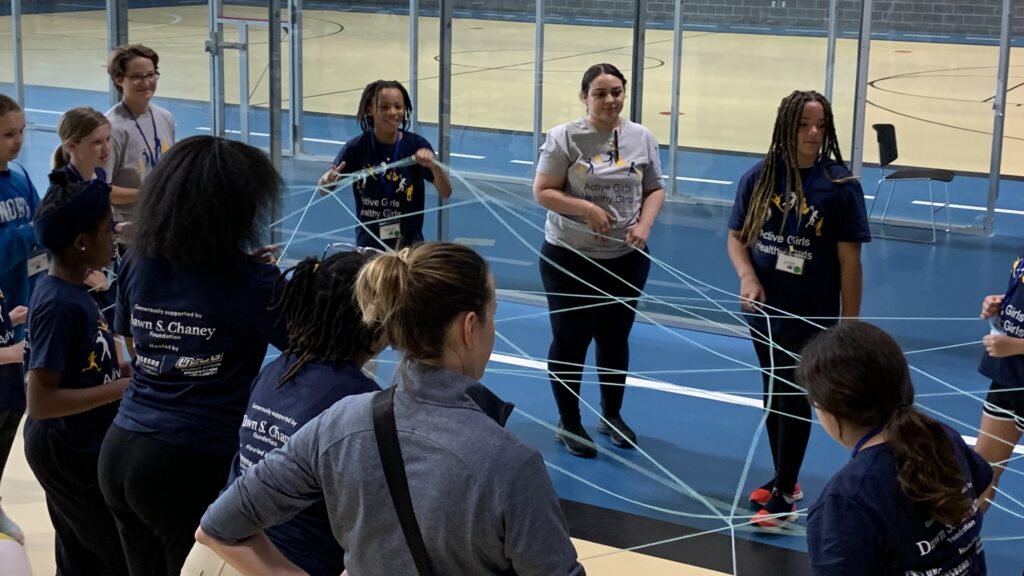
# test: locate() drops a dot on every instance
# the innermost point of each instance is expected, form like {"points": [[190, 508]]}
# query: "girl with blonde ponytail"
{"points": [[907, 502]]}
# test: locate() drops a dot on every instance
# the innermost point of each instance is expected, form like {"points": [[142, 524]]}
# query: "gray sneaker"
{"points": [[8, 527]]}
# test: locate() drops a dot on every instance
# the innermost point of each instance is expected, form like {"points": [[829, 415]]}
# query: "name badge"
{"points": [[994, 328], [390, 231], [790, 263], [38, 261]]}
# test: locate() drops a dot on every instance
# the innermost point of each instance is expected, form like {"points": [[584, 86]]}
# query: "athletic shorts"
{"points": [[1006, 403]]}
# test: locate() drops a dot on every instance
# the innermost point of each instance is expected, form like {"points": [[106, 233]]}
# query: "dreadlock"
{"points": [[783, 152], [324, 322], [369, 101]]}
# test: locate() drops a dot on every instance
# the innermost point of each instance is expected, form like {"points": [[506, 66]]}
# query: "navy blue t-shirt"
{"points": [[390, 194], [863, 524], [12, 376], [274, 414], [200, 338], [831, 213], [67, 333], [1009, 371]]}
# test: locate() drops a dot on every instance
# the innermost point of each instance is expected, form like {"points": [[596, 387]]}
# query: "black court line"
{"points": [[709, 551], [943, 124], [1008, 90]]}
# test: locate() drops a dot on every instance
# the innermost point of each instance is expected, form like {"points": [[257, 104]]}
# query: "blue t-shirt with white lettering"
{"points": [[67, 334], [1009, 371], [276, 411], [831, 213], [864, 525], [18, 200], [12, 376], [383, 199], [200, 337]]}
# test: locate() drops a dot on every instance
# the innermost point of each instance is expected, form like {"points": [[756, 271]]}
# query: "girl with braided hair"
{"points": [[794, 239], [328, 344], [389, 203], [907, 501]]}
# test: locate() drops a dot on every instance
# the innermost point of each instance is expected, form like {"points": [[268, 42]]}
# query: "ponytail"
{"points": [[60, 158], [858, 374], [926, 467], [415, 294]]}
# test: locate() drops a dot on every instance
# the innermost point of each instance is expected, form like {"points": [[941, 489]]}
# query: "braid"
{"points": [[324, 322], [783, 151], [369, 97]]}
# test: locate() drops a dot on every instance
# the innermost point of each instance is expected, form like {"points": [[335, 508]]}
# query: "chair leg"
{"points": [[931, 208], [892, 192], [949, 220]]}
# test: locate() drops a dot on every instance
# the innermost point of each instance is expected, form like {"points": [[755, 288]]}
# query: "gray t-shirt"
{"points": [[136, 145], [586, 157]]}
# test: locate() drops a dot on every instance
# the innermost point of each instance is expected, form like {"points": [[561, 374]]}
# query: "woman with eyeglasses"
{"points": [[140, 132]]}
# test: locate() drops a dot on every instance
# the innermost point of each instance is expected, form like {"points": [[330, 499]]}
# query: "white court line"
{"points": [[966, 207], [38, 111], [474, 241], [981, 39], [526, 162], [602, 20], [749, 28], [677, 389], [323, 141], [705, 180], [470, 156], [801, 30], [700, 26], [677, 285], [927, 36], [265, 135], [510, 261]]}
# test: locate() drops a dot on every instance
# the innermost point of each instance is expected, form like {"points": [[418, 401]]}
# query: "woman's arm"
{"points": [[751, 291], [255, 555], [637, 234]]}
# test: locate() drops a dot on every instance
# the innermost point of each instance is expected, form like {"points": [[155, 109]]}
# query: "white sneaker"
{"points": [[8, 527]]}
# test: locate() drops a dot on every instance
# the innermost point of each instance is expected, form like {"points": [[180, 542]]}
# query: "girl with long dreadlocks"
{"points": [[389, 202], [328, 345], [795, 236]]}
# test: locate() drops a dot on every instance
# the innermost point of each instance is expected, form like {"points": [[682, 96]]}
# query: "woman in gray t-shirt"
{"points": [[600, 179]]}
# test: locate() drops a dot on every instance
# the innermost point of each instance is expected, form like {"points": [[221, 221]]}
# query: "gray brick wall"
{"points": [[969, 17]]}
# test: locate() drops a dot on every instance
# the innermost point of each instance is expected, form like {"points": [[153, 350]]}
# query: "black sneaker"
{"points": [[581, 445], [620, 434]]}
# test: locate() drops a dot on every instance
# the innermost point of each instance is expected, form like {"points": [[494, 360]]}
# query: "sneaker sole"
{"points": [[604, 431], [588, 454], [775, 523], [761, 502]]}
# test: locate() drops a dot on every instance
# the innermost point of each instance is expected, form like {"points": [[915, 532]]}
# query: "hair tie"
{"points": [[316, 267]]}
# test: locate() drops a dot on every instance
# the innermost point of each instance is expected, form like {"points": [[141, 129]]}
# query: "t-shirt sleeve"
{"points": [[349, 153], [842, 540], [272, 492], [853, 222], [118, 145], [122, 305], [270, 324], [537, 536], [554, 155], [653, 178], [979, 468], [51, 329], [743, 192]]}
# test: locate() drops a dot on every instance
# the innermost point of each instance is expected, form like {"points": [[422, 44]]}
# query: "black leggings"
{"points": [[9, 421], [86, 540], [157, 492], [605, 321], [789, 416]]}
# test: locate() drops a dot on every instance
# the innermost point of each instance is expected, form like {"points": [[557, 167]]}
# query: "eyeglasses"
{"points": [[139, 78], [368, 250]]}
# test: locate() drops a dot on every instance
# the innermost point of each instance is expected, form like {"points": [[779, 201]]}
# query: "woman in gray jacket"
{"points": [[482, 499]]}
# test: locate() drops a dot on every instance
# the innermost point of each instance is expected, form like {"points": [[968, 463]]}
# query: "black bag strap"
{"points": [[394, 472]]}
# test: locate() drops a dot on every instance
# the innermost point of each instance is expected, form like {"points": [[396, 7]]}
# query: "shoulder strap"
{"points": [[394, 472]]}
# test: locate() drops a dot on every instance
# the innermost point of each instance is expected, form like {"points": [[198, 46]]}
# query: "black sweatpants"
{"points": [[157, 492], [86, 543], [789, 417], [604, 321], [9, 420]]}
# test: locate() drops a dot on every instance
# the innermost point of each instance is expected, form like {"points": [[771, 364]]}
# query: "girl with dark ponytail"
{"points": [[907, 502]]}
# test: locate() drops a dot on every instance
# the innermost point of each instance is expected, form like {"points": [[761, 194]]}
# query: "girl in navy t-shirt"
{"points": [[1003, 418], [74, 380], [907, 502], [389, 203], [328, 346], [795, 236], [196, 305]]}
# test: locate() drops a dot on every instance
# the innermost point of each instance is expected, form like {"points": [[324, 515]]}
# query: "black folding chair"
{"points": [[888, 153]]}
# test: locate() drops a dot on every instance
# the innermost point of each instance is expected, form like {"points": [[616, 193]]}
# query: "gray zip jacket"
{"points": [[483, 498]]}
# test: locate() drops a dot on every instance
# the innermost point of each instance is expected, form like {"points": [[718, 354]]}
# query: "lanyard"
{"points": [[152, 154], [860, 443], [792, 221], [383, 177]]}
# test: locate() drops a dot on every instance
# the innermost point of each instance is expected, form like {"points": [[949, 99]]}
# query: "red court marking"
{"points": [[669, 113]]}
